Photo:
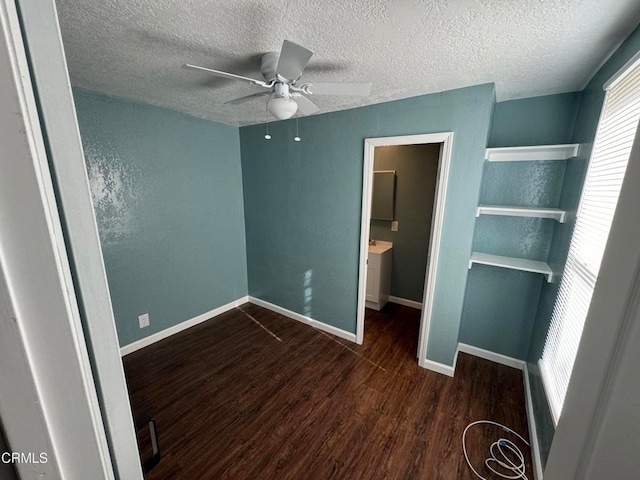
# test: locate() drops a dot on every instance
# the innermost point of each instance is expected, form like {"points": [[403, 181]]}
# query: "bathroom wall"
{"points": [[167, 193], [416, 169], [303, 205], [500, 304]]}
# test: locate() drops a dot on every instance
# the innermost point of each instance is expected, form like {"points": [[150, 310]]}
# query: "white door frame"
{"points": [[48, 400], [57, 114], [437, 220]]}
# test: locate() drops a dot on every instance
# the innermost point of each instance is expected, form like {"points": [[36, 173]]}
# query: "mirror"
{"points": [[384, 193]]}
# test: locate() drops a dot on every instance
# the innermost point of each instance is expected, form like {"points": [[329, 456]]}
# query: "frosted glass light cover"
{"points": [[282, 107]]}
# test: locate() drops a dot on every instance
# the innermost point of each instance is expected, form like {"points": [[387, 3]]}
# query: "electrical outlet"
{"points": [[143, 320], [394, 226]]}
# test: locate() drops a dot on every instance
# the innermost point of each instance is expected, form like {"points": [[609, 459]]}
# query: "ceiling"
{"points": [[134, 48]]}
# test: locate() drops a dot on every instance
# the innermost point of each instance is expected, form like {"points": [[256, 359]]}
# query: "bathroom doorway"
{"points": [[404, 191]]}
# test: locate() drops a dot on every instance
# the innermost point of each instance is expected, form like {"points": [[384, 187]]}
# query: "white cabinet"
{"points": [[373, 282], [378, 275]]}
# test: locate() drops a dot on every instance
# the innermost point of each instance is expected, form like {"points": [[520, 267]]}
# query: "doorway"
{"points": [[386, 180]]}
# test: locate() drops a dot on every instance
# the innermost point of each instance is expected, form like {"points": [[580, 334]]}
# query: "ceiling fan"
{"points": [[281, 72]]}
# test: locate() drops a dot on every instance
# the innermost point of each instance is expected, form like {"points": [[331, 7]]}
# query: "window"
{"points": [[614, 139]]}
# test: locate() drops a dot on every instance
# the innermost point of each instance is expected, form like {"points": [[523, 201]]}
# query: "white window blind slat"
{"points": [[610, 168], [618, 122], [630, 73], [628, 104], [614, 139]]}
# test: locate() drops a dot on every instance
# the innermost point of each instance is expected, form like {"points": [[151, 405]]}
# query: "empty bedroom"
{"points": [[351, 240]]}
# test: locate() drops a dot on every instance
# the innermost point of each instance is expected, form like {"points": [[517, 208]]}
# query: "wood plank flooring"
{"points": [[232, 401]]}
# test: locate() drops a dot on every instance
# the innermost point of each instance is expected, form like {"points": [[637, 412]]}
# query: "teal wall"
{"points": [[500, 304], [303, 205], [535, 121], [167, 192], [584, 134], [416, 169]]}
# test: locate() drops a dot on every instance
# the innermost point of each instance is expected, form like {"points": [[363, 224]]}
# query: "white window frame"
{"points": [[575, 269]]}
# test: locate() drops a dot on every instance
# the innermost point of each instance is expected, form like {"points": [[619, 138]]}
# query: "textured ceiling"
{"points": [[134, 48]]}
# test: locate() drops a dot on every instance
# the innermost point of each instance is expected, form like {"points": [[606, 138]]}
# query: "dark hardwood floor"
{"points": [[233, 401]]}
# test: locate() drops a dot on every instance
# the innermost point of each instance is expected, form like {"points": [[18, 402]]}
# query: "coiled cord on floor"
{"points": [[499, 454]]}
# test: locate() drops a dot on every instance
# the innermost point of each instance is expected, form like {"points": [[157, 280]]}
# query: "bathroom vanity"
{"points": [[378, 274]]}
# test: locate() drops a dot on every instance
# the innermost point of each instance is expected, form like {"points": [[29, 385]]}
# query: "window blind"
{"points": [[612, 147]]}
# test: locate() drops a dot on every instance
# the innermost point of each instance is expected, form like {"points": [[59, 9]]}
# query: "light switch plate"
{"points": [[394, 226]]}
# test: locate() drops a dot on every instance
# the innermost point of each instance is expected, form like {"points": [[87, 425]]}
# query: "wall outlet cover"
{"points": [[394, 226], [143, 320]]}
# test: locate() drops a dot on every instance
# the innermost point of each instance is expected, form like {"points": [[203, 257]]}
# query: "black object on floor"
{"points": [[141, 423]]}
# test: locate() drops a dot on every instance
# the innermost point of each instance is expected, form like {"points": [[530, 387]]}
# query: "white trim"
{"points": [[533, 433], [446, 139], [512, 263], [536, 212], [437, 367], [365, 224], [167, 332], [437, 223], [406, 302], [57, 114], [532, 153], [476, 352], [492, 356], [304, 319], [48, 399], [409, 139]]}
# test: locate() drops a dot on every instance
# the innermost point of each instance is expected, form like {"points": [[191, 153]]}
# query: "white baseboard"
{"points": [[437, 367], [405, 302], [156, 337], [492, 356], [533, 433], [304, 319]]}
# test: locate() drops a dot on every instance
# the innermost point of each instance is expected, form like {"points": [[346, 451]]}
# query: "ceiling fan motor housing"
{"points": [[281, 90]]}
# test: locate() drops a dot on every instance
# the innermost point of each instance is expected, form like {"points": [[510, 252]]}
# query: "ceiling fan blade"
{"points": [[246, 98], [306, 106], [293, 59], [354, 89], [219, 73]]}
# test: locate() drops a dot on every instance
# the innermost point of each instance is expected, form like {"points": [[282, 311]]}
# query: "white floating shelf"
{"points": [[533, 153], [553, 213], [512, 263]]}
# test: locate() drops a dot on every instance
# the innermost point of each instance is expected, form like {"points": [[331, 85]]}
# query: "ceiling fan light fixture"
{"points": [[281, 107], [281, 72]]}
